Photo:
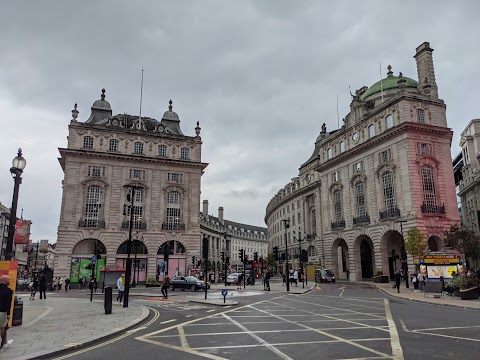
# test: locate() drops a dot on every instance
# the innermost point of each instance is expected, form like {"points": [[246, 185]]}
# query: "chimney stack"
{"points": [[205, 207], [220, 214], [425, 70]]}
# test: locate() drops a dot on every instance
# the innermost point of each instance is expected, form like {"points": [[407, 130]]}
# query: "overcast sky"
{"points": [[260, 76]]}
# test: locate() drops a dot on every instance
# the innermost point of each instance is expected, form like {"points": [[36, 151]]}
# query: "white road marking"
{"points": [[190, 351], [228, 306], [208, 311], [394, 338], [259, 339], [342, 293], [448, 336], [135, 330], [168, 321], [187, 316], [183, 338], [447, 328], [40, 317], [404, 327]]}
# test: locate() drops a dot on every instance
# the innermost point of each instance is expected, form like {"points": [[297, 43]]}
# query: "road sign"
{"points": [[224, 292]]}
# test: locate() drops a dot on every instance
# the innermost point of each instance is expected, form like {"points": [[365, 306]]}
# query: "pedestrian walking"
{"points": [[6, 295], [84, 283], [263, 280], [239, 281], [295, 277], [43, 286], [267, 281], [421, 281], [67, 284], [284, 277], [121, 288], [55, 284], [398, 280], [60, 284], [415, 281], [33, 288], [165, 285]]}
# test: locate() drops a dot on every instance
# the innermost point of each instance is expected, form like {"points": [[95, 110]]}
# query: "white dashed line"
{"points": [[168, 321]]}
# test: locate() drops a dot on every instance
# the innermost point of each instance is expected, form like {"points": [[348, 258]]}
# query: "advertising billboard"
{"points": [[435, 271], [22, 231]]}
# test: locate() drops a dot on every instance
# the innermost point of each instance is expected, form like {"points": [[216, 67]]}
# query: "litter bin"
{"points": [[17, 311], [108, 300]]}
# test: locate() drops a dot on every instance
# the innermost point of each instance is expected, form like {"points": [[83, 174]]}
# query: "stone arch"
{"points": [[391, 248], [87, 247], [176, 248], [435, 243], [340, 258], [138, 247], [364, 258], [312, 251]]}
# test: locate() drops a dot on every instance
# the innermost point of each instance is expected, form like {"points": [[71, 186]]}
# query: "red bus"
{"points": [[255, 266]]}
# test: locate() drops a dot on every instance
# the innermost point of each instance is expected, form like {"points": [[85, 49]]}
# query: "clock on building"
{"points": [[355, 137]]}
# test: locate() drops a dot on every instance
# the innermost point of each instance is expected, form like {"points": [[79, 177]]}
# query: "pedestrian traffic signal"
{"points": [[222, 255], [275, 253], [241, 254], [193, 260], [255, 256]]}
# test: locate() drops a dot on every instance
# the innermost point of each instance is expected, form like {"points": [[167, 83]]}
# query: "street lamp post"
{"points": [[18, 164], [403, 254], [300, 255], [128, 270], [135, 260], [286, 223]]}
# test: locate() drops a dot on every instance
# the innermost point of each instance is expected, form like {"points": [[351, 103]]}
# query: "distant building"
{"points": [[106, 154], [4, 223], [387, 169]]}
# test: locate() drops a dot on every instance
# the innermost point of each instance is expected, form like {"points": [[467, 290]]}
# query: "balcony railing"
{"points": [[339, 224], [390, 213], [91, 223], [137, 225], [359, 220], [173, 226], [432, 209]]}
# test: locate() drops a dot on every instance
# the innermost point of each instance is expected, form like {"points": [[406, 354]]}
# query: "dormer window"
{"points": [[389, 121], [184, 153], [138, 148], [88, 142], [341, 146]]}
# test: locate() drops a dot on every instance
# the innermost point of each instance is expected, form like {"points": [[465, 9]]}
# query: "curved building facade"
{"points": [[387, 169]]}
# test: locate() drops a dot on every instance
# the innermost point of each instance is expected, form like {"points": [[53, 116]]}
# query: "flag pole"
{"points": [[381, 81]]}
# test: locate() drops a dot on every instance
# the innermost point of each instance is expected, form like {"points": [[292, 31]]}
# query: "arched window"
{"points": [[428, 188], [341, 146], [388, 182], [88, 142], [184, 153], [173, 211], [337, 205], [421, 116], [93, 205], [360, 199], [313, 221], [162, 150]]}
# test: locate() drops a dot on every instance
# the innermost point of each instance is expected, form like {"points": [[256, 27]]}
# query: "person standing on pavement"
{"points": [[415, 281], [6, 295], [33, 288], [60, 283], [421, 281], [267, 281], [43, 286], [239, 281], [264, 274], [284, 277], [121, 288], [295, 277], [398, 280], [165, 285], [67, 284]]}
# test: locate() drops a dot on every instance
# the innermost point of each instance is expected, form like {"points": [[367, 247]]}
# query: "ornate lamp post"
{"points": [[286, 223], [18, 164]]}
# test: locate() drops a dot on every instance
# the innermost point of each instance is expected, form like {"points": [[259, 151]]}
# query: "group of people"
{"points": [[292, 278], [38, 284]]}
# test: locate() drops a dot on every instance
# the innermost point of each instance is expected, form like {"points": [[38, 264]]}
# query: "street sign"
{"points": [[224, 293], [94, 259]]}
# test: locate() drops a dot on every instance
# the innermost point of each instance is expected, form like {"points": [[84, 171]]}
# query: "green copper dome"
{"points": [[389, 83]]}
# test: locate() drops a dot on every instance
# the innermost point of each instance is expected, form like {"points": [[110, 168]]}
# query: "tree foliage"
{"points": [[415, 243], [270, 261], [464, 240]]}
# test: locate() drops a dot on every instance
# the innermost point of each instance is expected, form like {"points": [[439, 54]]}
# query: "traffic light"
{"points": [[255, 256], [222, 255], [304, 257], [205, 248], [283, 256], [193, 260], [275, 253], [166, 252], [241, 254], [228, 259]]}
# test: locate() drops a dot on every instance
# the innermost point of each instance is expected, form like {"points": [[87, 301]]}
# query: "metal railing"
{"points": [[364, 219], [91, 223], [173, 226], [138, 225], [339, 224], [389, 213], [432, 209]]}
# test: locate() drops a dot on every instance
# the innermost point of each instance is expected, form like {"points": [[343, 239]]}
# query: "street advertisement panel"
{"points": [[10, 268], [436, 271], [437, 259], [161, 267], [75, 270], [79, 269], [22, 231]]}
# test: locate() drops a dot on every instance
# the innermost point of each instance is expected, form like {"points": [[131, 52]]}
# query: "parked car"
{"points": [[187, 282], [232, 279], [24, 281], [324, 276]]}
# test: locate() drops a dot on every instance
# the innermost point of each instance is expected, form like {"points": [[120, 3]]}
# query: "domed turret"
{"points": [[389, 84], [101, 109], [171, 120], [170, 114]]}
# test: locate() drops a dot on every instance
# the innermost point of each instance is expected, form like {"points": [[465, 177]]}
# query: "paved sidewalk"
{"points": [[409, 294], [56, 324]]}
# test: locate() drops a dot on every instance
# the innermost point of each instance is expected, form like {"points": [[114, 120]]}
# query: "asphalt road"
{"points": [[334, 321]]}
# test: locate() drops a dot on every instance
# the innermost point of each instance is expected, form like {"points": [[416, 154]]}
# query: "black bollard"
{"points": [[108, 300]]}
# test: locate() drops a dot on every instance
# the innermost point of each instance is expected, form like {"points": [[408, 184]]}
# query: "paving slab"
{"points": [[57, 324]]}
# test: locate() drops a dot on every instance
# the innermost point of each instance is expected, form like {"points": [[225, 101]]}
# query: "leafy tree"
{"points": [[414, 242], [464, 240], [270, 261]]}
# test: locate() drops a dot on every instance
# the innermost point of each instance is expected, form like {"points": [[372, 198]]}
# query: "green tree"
{"points": [[270, 261], [464, 240], [414, 242]]}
